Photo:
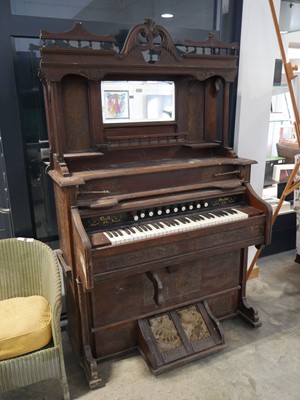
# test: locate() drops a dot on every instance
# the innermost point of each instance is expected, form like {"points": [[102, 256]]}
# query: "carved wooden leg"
{"points": [[249, 313], [90, 369], [89, 363]]}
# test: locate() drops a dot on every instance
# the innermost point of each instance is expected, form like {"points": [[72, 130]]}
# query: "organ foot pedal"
{"points": [[179, 336]]}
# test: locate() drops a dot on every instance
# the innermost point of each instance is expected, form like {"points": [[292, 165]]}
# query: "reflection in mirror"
{"points": [[137, 101]]}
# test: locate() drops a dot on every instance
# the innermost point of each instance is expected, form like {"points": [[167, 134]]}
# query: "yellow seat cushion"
{"points": [[25, 325]]}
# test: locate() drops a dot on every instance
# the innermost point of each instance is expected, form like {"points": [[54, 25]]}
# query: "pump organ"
{"points": [[155, 215]]}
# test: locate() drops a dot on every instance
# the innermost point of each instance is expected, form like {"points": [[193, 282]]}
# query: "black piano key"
{"points": [[216, 213], [231, 211], [167, 223], [224, 213], [149, 227]]}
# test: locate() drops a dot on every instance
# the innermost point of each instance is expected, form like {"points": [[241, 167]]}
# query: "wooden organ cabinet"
{"points": [[155, 211]]}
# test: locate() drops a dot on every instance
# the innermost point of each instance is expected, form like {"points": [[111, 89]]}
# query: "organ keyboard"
{"points": [[167, 226], [155, 215]]}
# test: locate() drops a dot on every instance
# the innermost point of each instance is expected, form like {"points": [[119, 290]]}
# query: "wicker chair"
{"points": [[29, 267]]}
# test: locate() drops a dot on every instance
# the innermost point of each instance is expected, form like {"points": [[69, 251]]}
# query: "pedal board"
{"points": [[179, 336]]}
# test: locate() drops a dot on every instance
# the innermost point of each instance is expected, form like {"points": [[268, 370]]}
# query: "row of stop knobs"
{"points": [[168, 210]]}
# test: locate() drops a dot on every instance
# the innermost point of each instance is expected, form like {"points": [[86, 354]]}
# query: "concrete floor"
{"points": [[261, 363]]}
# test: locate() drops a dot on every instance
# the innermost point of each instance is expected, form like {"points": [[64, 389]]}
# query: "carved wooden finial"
{"points": [[149, 42], [150, 23]]}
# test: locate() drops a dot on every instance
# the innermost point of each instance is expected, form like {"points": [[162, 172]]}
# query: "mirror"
{"points": [[137, 101]]}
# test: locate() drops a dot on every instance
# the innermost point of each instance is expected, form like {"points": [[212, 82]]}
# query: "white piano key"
{"points": [[168, 229], [125, 237], [111, 237]]}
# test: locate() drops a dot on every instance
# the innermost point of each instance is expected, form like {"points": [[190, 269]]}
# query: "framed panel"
{"points": [[116, 105]]}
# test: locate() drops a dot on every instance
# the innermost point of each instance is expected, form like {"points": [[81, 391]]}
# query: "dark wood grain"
{"points": [[106, 174]]}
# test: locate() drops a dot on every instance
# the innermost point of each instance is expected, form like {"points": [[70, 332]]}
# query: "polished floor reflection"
{"points": [[260, 364]]}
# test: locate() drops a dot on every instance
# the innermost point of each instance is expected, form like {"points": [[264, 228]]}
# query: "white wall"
{"points": [[258, 50]]}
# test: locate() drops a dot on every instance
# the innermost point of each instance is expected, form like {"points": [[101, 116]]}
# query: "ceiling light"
{"points": [[167, 15]]}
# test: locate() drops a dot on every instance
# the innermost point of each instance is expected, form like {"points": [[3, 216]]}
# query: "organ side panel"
{"points": [[76, 113]]}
